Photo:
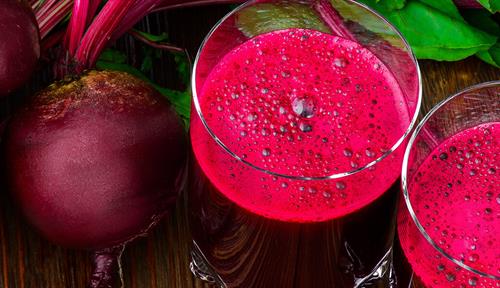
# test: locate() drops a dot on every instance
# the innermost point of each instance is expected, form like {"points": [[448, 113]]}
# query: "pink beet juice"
{"points": [[456, 200], [293, 106], [306, 103]]}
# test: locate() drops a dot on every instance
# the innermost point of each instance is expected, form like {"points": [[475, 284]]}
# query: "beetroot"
{"points": [[19, 45], [95, 161]]}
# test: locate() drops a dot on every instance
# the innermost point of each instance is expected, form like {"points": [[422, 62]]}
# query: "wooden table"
{"points": [[161, 260]]}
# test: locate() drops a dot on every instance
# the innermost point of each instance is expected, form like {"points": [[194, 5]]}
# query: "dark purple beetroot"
{"points": [[19, 45], [95, 162]]}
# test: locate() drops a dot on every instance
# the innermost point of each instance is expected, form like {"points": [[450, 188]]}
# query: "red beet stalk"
{"points": [[50, 13], [468, 4]]}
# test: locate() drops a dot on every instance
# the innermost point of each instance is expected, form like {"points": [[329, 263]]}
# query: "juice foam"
{"points": [[455, 196], [302, 103]]}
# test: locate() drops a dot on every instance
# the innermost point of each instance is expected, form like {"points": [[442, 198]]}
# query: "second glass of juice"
{"points": [[449, 221], [301, 109]]}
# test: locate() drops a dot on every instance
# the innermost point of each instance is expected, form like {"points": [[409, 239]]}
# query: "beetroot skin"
{"points": [[19, 45], [94, 162]]}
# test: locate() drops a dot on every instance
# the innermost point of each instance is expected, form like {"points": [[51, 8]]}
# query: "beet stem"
{"points": [[332, 19], [143, 8], [138, 11], [468, 4], [107, 263], [49, 14], [162, 46], [172, 4], [81, 17], [99, 33], [44, 7], [50, 41], [324, 8], [35, 4], [115, 19], [77, 25]]}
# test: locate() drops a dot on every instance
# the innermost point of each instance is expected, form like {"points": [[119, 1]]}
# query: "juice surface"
{"points": [[455, 196], [301, 103]]}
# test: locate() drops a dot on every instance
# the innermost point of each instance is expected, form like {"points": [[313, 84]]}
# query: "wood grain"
{"points": [[161, 260]]}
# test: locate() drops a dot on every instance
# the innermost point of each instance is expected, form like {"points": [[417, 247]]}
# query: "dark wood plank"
{"points": [[442, 79], [161, 260]]}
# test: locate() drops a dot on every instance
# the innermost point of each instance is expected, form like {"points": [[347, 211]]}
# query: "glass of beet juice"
{"points": [[449, 221], [301, 112]]}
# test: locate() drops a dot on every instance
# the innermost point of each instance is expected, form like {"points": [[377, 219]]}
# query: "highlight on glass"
{"points": [[449, 221], [301, 113]]}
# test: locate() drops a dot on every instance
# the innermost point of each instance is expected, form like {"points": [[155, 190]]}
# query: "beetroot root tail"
{"points": [[106, 266]]}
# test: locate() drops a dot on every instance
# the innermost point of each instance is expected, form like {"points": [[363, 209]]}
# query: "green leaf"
{"points": [[147, 61], [433, 34], [387, 5], [349, 12], [492, 56], [444, 6], [444, 54], [492, 5], [483, 20], [181, 100], [435, 29], [266, 17], [152, 37], [150, 56], [183, 68], [114, 56]]}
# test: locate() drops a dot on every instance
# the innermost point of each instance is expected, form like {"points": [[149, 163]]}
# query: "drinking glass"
{"points": [[449, 221], [285, 190]]}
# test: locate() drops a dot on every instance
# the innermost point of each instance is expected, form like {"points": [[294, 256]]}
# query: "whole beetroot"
{"points": [[94, 162], [19, 44]]}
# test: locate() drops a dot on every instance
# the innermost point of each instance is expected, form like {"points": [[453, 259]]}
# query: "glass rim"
{"points": [[219, 142], [404, 178]]}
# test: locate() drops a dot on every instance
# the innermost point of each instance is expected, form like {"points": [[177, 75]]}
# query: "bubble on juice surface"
{"points": [[465, 223], [308, 90], [303, 107], [340, 62], [266, 152], [303, 115]]}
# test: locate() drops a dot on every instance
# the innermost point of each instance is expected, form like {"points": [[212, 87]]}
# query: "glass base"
{"points": [[382, 272], [200, 268]]}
